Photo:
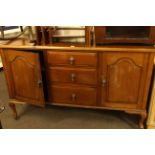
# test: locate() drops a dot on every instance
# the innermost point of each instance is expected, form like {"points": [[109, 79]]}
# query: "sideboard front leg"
{"points": [[13, 107], [143, 116]]}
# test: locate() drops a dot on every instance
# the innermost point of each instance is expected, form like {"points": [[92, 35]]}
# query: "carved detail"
{"points": [[129, 60], [29, 68], [119, 73], [21, 58]]}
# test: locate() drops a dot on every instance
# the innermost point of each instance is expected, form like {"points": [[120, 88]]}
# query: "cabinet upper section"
{"points": [[94, 35], [124, 34], [89, 38]]}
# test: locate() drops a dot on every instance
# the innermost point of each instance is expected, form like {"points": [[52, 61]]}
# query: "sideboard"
{"points": [[108, 77]]}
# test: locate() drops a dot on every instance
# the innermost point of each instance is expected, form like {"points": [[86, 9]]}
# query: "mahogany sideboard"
{"points": [[108, 77]]}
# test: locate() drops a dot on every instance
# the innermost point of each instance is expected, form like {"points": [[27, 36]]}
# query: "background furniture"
{"points": [[124, 34], [64, 35], [3, 37], [5, 28]]}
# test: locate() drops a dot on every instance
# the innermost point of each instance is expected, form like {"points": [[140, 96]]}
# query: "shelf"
{"points": [[67, 36], [70, 28]]}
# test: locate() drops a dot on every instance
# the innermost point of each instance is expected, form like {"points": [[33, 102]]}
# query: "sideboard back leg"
{"points": [[13, 107], [143, 116]]}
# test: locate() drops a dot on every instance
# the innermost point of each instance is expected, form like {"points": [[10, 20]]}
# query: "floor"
{"points": [[52, 117]]}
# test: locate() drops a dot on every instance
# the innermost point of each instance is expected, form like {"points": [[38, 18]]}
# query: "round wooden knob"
{"points": [[72, 76], [103, 82], [71, 60], [73, 97]]}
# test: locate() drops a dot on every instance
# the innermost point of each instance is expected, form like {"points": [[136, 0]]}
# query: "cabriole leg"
{"points": [[143, 116], [13, 107]]}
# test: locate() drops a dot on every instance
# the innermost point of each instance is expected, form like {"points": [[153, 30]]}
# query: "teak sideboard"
{"points": [[114, 78]]}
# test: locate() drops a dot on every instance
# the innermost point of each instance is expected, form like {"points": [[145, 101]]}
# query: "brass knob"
{"points": [[103, 82], [40, 83], [71, 60], [72, 76], [73, 97]]}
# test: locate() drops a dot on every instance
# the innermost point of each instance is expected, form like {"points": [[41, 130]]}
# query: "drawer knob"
{"points": [[72, 76], [71, 60], [104, 82], [73, 97]]}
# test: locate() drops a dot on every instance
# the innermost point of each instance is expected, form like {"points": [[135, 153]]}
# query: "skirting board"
{"points": [[150, 127]]}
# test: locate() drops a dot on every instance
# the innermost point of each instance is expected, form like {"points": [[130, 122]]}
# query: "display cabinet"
{"points": [[124, 34]]}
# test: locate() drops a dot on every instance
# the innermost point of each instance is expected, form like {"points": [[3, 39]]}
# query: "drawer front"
{"points": [[72, 75], [72, 59], [69, 95]]}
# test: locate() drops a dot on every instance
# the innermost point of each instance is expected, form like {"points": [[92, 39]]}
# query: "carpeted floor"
{"points": [[53, 117]]}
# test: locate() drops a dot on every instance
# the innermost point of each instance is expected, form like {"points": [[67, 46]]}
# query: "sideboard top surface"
{"points": [[24, 44]]}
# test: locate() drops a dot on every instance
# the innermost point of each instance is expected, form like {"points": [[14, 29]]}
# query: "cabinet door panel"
{"points": [[24, 75], [125, 75], [123, 81]]}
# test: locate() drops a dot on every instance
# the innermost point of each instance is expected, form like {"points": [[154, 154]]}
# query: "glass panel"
{"points": [[127, 31]]}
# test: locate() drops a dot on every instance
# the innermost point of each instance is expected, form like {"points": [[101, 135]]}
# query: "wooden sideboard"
{"points": [[114, 78]]}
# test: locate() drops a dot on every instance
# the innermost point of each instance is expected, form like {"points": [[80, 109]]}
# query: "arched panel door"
{"points": [[123, 78], [24, 77]]}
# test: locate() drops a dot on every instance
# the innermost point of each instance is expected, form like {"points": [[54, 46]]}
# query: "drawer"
{"points": [[70, 95], [72, 75], [72, 58]]}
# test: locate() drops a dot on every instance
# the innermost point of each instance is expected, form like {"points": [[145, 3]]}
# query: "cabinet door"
{"points": [[123, 77], [23, 74]]}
